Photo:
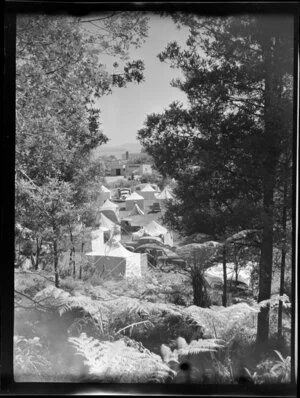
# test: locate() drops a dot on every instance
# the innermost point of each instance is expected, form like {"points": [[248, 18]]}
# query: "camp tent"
{"points": [[154, 229], [115, 260], [137, 211], [97, 239], [214, 274], [133, 199], [111, 211], [139, 187], [165, 194], [104, 195], [108, 225], [148, 193], [109, 205]]}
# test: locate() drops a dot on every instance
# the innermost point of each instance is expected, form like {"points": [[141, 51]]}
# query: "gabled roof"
{"points": [[148, 188], [108, 223], [137, 210], [109, 205], [115, 249], [134, 196], [165, 194], [104, 189], [154, 229]]}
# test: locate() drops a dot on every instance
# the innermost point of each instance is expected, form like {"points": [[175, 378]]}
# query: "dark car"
{"points": [[143, 241], [160, 254]]}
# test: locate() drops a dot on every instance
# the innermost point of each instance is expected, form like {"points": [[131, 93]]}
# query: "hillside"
{"points": [[117, 150]]}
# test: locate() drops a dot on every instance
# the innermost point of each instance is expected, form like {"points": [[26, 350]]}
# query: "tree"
{"points": [[58, 78], [225, 148]]}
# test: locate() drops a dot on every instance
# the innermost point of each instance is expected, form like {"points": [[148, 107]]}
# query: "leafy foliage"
{"points": [[29, 358], [270, 371], [196, 362]]}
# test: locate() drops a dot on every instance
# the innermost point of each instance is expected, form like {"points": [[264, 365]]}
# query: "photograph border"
{"points": [[8, 386]]}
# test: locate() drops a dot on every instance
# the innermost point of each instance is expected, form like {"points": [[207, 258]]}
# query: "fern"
{"points": [[29, 358], [220, 322], [270, 372], [120, 361], [274, 302]]}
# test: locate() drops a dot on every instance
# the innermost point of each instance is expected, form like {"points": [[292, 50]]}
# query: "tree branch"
{"points": [[99, 19]]}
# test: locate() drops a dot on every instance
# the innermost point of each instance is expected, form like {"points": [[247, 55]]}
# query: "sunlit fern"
{"points": [[61, 301], [195, 347], [120, 361]]}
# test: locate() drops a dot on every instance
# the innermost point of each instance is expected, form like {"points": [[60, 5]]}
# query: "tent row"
{"points": [[146, 193]]}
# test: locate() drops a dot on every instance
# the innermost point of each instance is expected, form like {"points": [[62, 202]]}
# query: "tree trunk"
{"points": [[72, 255], [72, 261], [80, 265], [271, 142], [236, 266], [55, 253], [283, 253], [201, 298], [224, 297], [38, 251], [82, 247], [265, 271]]}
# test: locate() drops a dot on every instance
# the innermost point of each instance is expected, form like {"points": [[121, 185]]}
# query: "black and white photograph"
{"points": [[154, 197]]}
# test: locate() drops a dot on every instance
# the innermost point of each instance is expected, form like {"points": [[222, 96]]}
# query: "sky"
{"points": [[124, 111]]}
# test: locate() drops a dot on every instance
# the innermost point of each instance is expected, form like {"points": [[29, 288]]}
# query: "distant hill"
{"points": [[117, 150]]}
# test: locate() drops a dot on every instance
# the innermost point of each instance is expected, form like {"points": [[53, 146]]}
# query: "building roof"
{"points": [[154, 229], [104, 189], [137, 211], [109, 205], [115, 249], [148, 188], [134, 196], [166, 194]]}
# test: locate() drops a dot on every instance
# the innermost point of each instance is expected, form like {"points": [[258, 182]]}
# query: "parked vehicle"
{"points": [[160, 254], [120, 194], [145, 240], [155, 207]]}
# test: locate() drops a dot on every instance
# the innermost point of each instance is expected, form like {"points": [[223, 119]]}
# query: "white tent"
{"points": [[109, 205], [137, 211], [214, 274], [139, 187], [115, 260], [148, 193], [111, 211], [97, 239], [166, 194], [108, 225], [154, 229], [104, 195], [133, 199]]}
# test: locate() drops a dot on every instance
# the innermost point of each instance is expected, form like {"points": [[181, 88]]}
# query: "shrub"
{"points": [[30, 359], [272, 371]]}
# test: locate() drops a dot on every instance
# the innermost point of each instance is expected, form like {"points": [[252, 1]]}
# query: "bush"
{"points": [[272, 370]]}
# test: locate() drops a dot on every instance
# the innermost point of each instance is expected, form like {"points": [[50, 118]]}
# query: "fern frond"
{"points": [[274, 301], [279, 355], [119, 361], [52, 297], [201, 345]]}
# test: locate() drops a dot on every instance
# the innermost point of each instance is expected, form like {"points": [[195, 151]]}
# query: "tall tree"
{"points": [[59, 76], [225, 148]]}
